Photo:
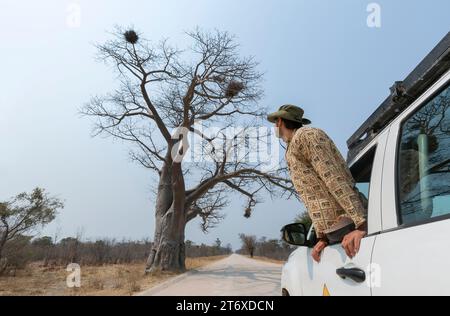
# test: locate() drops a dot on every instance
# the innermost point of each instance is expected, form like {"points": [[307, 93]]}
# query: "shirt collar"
{"points": [[288, 143]]}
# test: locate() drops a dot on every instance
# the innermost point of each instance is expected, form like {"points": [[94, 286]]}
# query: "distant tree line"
{"points": [[196, 251], [22, 217], [263, 247], [23, 250]]}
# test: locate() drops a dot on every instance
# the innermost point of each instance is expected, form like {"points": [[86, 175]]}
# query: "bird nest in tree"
{"points": [[219, 79], [234, 88], [131, 37]]}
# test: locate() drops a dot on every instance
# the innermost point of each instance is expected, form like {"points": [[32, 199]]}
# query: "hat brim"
{"points": [[272, 118]]}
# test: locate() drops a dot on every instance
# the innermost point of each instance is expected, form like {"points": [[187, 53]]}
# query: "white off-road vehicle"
{"points": [[400, 159]]}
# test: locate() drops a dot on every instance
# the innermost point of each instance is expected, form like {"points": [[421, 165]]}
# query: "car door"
{"points": [[412, 250], [332, 275]]}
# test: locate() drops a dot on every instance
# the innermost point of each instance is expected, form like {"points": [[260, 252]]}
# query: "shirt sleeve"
{"points": [[323, 155]]}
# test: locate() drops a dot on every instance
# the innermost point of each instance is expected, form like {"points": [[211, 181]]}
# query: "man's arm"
{"points": [[331, 167], [352, 242], [318, 249]]}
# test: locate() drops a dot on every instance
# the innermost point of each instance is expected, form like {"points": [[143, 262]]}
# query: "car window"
{"points": [[424, 162]]}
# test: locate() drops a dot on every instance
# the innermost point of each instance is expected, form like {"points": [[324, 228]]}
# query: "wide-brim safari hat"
{"points": [[291, 113]]}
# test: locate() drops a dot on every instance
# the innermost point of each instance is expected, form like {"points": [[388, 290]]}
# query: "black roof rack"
{"points": [[403, 94]]}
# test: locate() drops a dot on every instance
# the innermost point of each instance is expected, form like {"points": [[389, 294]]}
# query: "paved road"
{"points": [[233, 276]]}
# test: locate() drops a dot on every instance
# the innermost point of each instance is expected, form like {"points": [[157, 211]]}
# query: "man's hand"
{"points": [[352, 242], [317, 251]]}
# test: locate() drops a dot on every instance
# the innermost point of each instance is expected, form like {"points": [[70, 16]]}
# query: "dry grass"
{"points": [[110, 280], [195, 263]]}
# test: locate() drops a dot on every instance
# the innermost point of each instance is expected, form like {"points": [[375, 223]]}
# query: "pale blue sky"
{"points": [[317, 54]]}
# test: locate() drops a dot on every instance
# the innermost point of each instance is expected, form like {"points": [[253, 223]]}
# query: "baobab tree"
{"points": [[165, 94]]}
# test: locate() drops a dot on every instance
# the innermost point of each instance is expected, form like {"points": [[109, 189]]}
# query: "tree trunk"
{"points": [[3, 266], [3, 261], [168, 249]]}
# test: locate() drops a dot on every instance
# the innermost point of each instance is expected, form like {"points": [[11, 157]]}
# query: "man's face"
{"points": [[279, 128]]}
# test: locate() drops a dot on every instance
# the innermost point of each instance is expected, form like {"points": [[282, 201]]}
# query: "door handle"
{"points": [[354, 274]]}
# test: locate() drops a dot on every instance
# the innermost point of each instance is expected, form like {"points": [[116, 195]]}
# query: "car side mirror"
{"points": [[295, 234]]}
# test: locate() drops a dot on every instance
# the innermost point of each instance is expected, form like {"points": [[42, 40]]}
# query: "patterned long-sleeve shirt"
{"points": [[323, 180]]}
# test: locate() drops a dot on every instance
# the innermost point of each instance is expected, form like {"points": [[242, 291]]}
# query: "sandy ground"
{"points": [[233, 276], [108, 280]]}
